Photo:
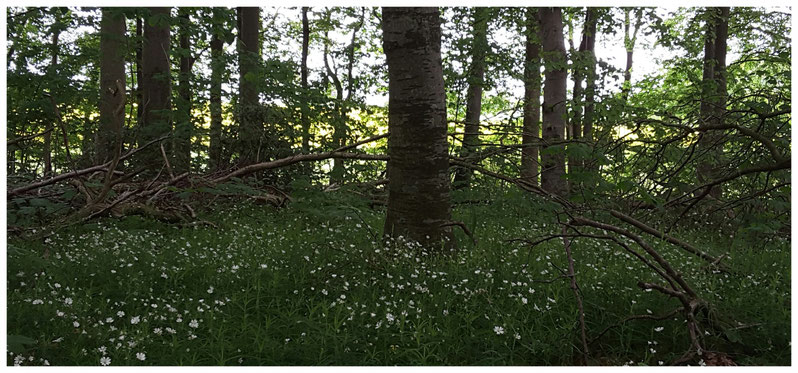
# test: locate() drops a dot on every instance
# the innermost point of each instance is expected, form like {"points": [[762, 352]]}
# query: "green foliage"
{"points": [[314, 285]]}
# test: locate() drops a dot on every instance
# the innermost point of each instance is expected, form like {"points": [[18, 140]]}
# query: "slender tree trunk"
{"points": [[552, 155], [578, 103], [339, 122], [343, 101], [629, 40], [304, 81], [139, 71], [250, 120], [713, 96], [418, 188], [155, 85], [531, 133], [590, 77], [184, 126], [47, 149], [217, 68], [476, 81], [112, 84]]}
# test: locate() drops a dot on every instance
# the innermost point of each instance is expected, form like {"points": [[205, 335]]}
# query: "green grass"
{"points": [[312, 284]]}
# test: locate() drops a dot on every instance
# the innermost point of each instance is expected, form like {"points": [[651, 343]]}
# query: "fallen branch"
{"points": [[661, 235], [296, 159], [76, 173]]}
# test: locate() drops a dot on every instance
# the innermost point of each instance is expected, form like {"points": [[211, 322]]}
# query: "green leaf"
{"points": [[17, 343]]}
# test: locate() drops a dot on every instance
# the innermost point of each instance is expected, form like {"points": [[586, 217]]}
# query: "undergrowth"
{"points": [[314, 284]]}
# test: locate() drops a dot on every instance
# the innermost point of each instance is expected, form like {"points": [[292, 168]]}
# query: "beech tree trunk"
{"points": [[531, 132], [590, 78], [713, 96], [418, 188], [250, 120], [112, 84], [217, 69], [577, 103], [476, 81], [155, 85], [629, 40], [47, 148], [139, 71], [553, 155], [305, 120], [183, 125]]}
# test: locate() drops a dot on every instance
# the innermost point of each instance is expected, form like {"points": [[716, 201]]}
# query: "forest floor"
{"points": [[313, 284]]}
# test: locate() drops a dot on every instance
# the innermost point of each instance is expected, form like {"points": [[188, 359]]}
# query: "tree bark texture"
{"points": [[217, 69], [183, 125], [303, 71], [590, 76], [47, 148], [531, 132], [155, 83], [418, 191], [554, 114], [250, 120], [112, 84], [476, 82], [713, 96]]}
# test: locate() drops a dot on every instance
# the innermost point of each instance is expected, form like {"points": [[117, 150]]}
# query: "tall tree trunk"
{"points": [[343, 101], [217, 68], [713, 96], [629, 40], [552, 155], [418, 188], [531, 133], [250, 120], [577, 102], [339, 122], [155, 84], [139, 71], [476, 81], [47, 149], [183, 125], [112, 84], [589, 57], [305, 119]]}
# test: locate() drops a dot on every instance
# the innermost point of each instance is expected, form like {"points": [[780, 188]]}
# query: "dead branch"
{"points": [[575, 288], [76, 173], [645, 228], [18, 140], [463, 227], [296, 159]]}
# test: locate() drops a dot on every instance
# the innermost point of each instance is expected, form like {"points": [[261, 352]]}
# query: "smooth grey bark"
{"points": [[554, 90], [217, 70], [531, 132], [155, 84], [418, 187], [250, 125], [476, 82], [713, 96], [112, 84]]}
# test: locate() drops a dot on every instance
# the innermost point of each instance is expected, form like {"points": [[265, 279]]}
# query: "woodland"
{"points": [[398, 186]]}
